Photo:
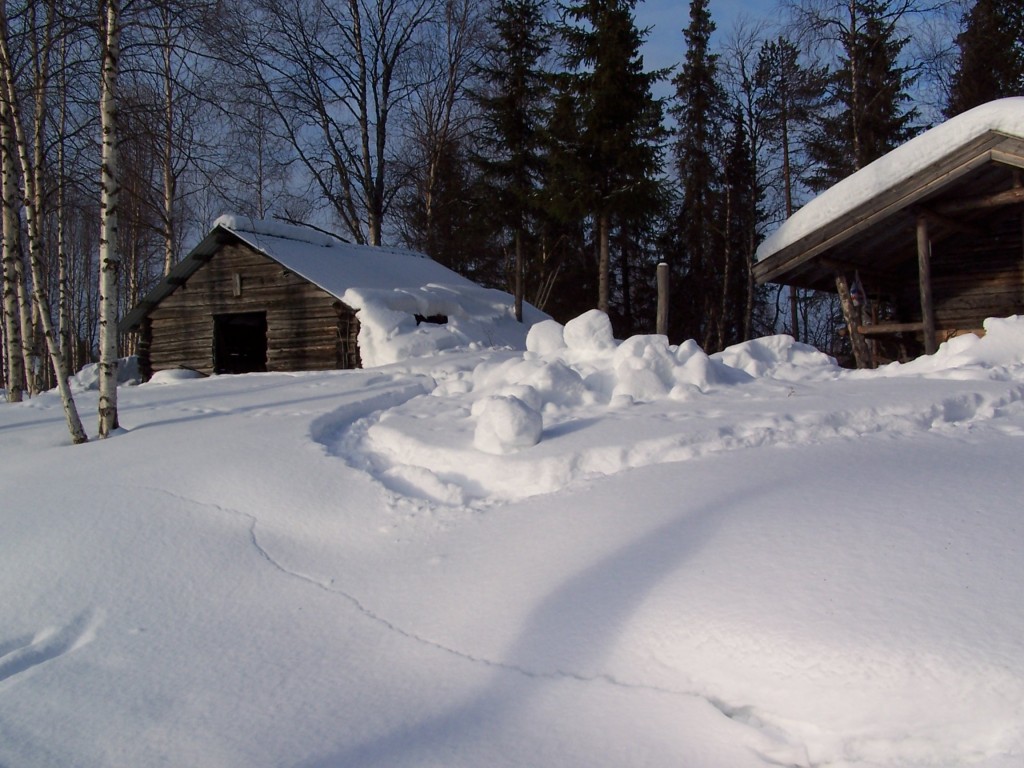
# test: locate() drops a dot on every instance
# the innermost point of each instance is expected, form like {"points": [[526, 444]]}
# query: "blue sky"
{"points": [[667, 18]]}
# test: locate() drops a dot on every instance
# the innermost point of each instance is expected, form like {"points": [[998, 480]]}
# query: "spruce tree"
{"points": [[991, 60], [791, 95], [868, 115], [620, 129], [699, 112], [740, 213], [513, 101], [457, 231]]}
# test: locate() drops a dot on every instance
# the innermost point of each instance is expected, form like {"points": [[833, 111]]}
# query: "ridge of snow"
{"points": [[279, 229], [1003, 115]]}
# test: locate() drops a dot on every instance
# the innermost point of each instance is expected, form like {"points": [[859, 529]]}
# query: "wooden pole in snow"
{"points": [[661, 324], [924, 273]]}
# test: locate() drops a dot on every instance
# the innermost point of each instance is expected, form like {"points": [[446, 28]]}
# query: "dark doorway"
{"points": [[240, 342]]}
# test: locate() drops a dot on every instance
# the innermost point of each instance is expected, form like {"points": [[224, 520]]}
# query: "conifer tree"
{"points": [[620, 120], [991, 61], [791, 96], [513, 103], [699, 111], [739, 216], [869, 94]]}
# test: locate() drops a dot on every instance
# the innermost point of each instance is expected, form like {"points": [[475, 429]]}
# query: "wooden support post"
{"points": [[861, 353], [924, 273], [661, 323]]}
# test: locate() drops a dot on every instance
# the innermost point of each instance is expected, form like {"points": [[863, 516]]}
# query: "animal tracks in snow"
{"points": [[23, 654]]}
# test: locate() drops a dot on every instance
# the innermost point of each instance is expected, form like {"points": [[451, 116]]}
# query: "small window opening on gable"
{"points": [[432, 319]]}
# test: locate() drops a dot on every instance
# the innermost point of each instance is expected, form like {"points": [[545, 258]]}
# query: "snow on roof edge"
{"points": [[278, 229], [1003, 115]]}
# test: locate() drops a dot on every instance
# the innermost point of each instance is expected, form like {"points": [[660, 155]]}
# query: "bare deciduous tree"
{"points": [[336, 75]]}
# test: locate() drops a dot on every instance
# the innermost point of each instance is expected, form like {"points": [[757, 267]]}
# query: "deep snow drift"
{"points": [[590, 553]]}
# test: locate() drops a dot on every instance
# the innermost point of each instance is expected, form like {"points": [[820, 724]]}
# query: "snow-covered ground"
{"points": [[588, 554]]}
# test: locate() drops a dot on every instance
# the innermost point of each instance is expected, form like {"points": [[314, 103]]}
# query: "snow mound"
{"points": [[88, 378], [509, 428], [175, 375], [993, 355], [396, 324], [780, 356]]}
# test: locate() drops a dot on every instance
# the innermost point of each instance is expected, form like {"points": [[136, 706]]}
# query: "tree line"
{"points": [[523, 143]]}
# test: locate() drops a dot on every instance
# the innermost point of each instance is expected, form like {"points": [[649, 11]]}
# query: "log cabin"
{"points": [[265, 296], [933, 231]]}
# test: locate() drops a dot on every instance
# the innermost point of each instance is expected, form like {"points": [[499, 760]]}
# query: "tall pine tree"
{"points": [[514, 102], [791, 95], [620, 130], [699, 112], [868, 115], [991, 60]]}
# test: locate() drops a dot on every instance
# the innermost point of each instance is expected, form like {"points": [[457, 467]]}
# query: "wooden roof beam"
{"points": [[1007, 158], [871, 274], [1007, 197], [949, 222]]}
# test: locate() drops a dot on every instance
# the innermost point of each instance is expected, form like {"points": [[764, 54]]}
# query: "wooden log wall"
{"points": [[304, 323], [972, 279]]}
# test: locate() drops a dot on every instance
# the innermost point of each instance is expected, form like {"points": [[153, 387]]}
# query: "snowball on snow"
{"points": [[644, 368], [505, 424], [590, 332], [545, 337]]}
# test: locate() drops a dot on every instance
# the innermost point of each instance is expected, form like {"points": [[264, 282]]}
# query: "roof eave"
{"points": [[939, 174], [177, 277]]}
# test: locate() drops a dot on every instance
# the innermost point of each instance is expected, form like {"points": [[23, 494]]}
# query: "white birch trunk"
{"points": [[34, 226], [168, 153], [28, 331], [12, 319], [110, 262]]}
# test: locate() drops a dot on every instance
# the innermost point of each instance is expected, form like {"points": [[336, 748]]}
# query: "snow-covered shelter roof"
{"points": [[388, 287], [324, 260], [867, 221]]}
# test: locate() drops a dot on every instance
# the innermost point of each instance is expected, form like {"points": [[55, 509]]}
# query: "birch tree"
{"points": [[110, 262], [12, 319], [32, 202]]}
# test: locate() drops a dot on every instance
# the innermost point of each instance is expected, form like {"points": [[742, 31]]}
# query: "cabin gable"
{"points": [[212, 320]]}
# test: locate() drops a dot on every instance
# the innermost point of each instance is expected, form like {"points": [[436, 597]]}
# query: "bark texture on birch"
{"points": [[110, 263], [33, 223], [12, 324]]}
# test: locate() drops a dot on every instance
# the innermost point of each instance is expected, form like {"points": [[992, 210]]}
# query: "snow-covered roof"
{"points": [[386, 286], [338, 266], [1004, 116]]}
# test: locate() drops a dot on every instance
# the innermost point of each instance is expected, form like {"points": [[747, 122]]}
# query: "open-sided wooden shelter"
{"points": [[264, 296], [934, 230]]}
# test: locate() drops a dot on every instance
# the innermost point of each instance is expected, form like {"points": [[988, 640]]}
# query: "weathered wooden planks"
{"points": [[307, 328]]}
